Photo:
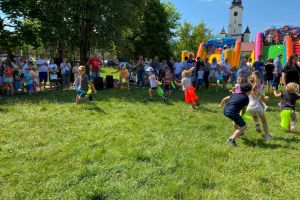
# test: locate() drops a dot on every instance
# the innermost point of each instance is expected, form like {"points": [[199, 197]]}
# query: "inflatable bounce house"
{"points": [[277, 40], [185, 54], [221, 48]]}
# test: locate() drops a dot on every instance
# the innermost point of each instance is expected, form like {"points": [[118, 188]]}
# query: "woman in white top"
{"points": [[53, 69], [214, 74], [225, 73], [75, 69], [65, 72]]}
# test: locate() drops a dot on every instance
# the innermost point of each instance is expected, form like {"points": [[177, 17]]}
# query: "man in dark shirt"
{"points": [[232, 110]]}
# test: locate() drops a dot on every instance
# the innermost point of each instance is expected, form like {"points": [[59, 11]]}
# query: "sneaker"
{"points": [[91, 97], [165, 99], [268, 138], [293, 129], [258, 129], [231, 142]]}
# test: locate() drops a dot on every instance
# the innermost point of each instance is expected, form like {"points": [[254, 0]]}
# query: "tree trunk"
{"points": [[85, 40]]}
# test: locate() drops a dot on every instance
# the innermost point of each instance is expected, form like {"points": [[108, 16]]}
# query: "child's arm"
{"points": [[276, 94], [76, 80], [224, 100], [92, 86], [179, 84]]}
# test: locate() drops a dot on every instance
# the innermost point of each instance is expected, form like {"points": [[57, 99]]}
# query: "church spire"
{"points": [[236, 3]]}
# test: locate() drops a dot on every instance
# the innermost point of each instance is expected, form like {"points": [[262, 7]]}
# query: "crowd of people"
{"points": [[248, 82]]}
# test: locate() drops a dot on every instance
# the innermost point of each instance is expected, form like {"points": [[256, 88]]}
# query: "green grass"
{"points": [[121, 146]]}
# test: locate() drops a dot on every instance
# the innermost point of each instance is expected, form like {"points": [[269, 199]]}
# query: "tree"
{"points": [[76, 23], [189, 37]]}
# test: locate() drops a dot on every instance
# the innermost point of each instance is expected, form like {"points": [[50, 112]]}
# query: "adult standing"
{"points": [[259, 66], [42, 65], [95, 65], [155, 64], [178, 67], [291, 72], [278, 71], [206, 69], [140, 72], [245, 70], [214, 72], [269, 69], [249, 63], [65, 73], [225, 73]]}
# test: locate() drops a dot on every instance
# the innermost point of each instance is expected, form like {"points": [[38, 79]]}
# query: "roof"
{"points": [[247, 30], [247, 46], [223, 31], [236, 3]]}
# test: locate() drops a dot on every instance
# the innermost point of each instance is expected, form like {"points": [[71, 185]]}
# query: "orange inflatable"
{"points": [[289, 48]]}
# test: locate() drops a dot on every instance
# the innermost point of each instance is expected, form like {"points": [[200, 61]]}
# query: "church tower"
{"points": [[236, 17]]}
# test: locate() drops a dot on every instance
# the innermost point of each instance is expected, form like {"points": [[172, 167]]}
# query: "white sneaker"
{"points": [[268, 138], [293, 129]]}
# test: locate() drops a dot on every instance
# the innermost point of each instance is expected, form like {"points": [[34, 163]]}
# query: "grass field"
{"points": [[121, 146]]}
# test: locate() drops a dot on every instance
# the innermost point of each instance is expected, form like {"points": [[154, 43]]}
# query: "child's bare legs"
{"points": [[265, 123], [293, 122], [128, 86], [150, 94], [238, 131], [11, 87], [77, 99], [256, 120]]}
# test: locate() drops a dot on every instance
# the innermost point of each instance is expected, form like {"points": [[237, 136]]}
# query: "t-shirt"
{"points": [[65, 68], [279, 66], [152, 79], [8, 71], [292, 74], [43, 65], [84, 84], [200, 74], [124, 73], [178, 67], [26, 66], [269, 68], [288, 101], [167, 80], [238, 88], [258, 66], [29, 78], [237, 102], [187, 82], [95, 63], [53, 68], [225, 69]]}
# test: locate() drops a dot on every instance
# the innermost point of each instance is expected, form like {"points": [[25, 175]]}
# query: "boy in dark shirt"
{"points": [[288, 102], [236, 103]]}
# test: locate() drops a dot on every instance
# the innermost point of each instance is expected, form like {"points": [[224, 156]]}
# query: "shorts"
{"points": [[225, 78], [236, 117], [29, 87], [8, 80], [80, 92], [199, 82], [153, 88], [43, 76], [167, 87]]}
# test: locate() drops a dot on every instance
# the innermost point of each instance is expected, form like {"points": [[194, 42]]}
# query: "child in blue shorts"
{"points": [[236, 103], [29, 81], [82, 84]]}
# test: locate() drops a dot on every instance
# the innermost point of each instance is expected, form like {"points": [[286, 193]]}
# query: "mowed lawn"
{"points": [[121, 146]]}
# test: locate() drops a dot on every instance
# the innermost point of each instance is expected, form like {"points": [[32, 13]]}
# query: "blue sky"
{"points": [[258, 14]]}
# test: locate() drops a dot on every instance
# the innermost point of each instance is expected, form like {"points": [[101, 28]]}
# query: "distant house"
{"points": [[246, 48]]}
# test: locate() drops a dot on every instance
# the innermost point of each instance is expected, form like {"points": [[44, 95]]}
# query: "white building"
{"points": [[235, 26]]}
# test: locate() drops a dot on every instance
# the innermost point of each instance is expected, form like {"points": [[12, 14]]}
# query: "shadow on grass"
{"points": [[260, 143], [95, 108], [3, 110], [289, 140]]}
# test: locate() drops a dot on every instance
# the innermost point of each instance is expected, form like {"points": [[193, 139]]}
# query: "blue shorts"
{"points": [[225, 77], [29, 86], [43, 76], [236, 117], [80, 92], [167, 88]]}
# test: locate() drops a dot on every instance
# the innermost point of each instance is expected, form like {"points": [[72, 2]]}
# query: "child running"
{"points": [[236, 103], [188, 89], [256, 108], [124, 75], [168, 78], [288, 102], [235, 90], [82, 82], [154, 83]]}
